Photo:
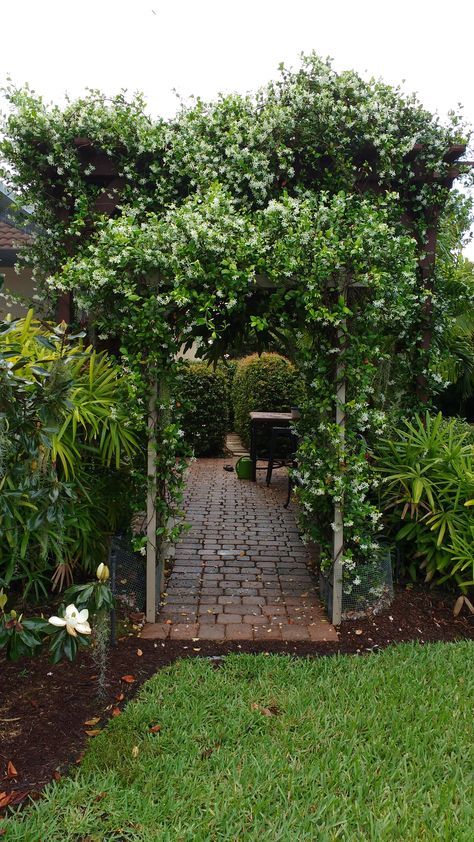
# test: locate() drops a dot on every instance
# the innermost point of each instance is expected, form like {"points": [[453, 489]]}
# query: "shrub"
{"points": [[64, 439], [428, 489], [204, 398], [263, 383]]}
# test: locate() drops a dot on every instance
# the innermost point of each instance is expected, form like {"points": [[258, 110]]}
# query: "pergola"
{"points": [[101, 171]]}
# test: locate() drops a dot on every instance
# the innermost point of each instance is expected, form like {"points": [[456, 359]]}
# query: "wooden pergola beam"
{"points": [[108, 200]]}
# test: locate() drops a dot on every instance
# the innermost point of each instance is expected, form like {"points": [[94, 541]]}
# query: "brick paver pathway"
{"points": [[241, 571]]}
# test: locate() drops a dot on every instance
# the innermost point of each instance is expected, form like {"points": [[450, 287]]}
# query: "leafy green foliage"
{"points": [[64, 645], [452, 360], [457, 365], [428, 489], [64, 438], [203, 392], [95, 596], [20, 636], [98, 598], [264, 383], [248, 219], [24, 636]]}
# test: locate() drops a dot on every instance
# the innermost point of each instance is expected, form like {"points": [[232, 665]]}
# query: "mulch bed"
{"points": [[43, 708]]}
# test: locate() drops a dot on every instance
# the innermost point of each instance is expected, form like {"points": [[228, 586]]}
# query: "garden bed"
{"points": [[44, 708]]}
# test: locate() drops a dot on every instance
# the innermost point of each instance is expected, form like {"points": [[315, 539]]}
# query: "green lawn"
{"points": [[369, 748]]}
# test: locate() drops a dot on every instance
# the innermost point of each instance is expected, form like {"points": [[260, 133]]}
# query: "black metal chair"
{"points": [[282, 450]]}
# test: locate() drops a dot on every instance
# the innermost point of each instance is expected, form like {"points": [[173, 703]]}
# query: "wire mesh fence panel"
{"points": [[367, 589], [130, 579]]}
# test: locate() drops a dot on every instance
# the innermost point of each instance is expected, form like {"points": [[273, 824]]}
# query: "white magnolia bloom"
{"points": [[74, 620], [102, 572]]}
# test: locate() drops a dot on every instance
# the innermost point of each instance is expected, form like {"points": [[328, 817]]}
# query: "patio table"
{"points": [[262, 419]]}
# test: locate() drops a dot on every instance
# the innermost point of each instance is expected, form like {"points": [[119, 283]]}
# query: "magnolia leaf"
{"points": [[116, 711], [129, 679], [11, 771], [135, 751], [92, 721], [270, 711], [19, 795], [458, 605], [154, 729], [94, 732], [139, 653], [469, 604]]}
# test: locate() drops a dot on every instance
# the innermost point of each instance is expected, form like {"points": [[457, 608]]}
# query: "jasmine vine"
{"points": [[297, 212]]}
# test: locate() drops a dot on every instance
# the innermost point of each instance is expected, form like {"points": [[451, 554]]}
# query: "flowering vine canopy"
{"points": [[297, 213]]}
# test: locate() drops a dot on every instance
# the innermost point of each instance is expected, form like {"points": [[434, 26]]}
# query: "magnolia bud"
{"points": [[102, 572]]}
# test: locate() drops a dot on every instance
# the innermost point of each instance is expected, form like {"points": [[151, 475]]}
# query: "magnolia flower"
{"points": [[74, 620], [102, 572]]}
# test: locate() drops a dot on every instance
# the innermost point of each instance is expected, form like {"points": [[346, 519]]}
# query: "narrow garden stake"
{"points": [[113, 588], [151, 508]]}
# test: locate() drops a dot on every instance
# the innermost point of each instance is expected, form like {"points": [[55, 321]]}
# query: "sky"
{"points": [[203, 47]]}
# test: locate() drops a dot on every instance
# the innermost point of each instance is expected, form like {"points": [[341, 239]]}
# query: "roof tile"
{"points": [[11, 237]]}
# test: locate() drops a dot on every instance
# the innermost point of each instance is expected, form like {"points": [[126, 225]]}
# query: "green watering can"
{"points": [[243, 468]]}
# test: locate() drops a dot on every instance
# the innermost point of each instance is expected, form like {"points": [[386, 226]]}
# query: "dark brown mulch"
{"points": [[43, 708]]}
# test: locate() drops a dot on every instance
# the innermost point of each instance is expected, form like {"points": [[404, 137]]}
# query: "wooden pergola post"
{"points": [[151, 523], [338, 539], [426, 267], [157, 549]]}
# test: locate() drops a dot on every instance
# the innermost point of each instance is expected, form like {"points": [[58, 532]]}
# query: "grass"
{"points": [[267, 748]]}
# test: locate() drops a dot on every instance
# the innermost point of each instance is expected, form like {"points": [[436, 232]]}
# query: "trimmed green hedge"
{"points": [[204, 398], [263, 383]]}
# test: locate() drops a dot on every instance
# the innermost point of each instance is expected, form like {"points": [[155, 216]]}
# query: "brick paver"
{"points": [[241, 572]]}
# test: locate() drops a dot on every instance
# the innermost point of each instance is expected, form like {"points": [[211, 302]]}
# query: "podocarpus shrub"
{"points": [[263, 383], [427, 468], [204, 398]]}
